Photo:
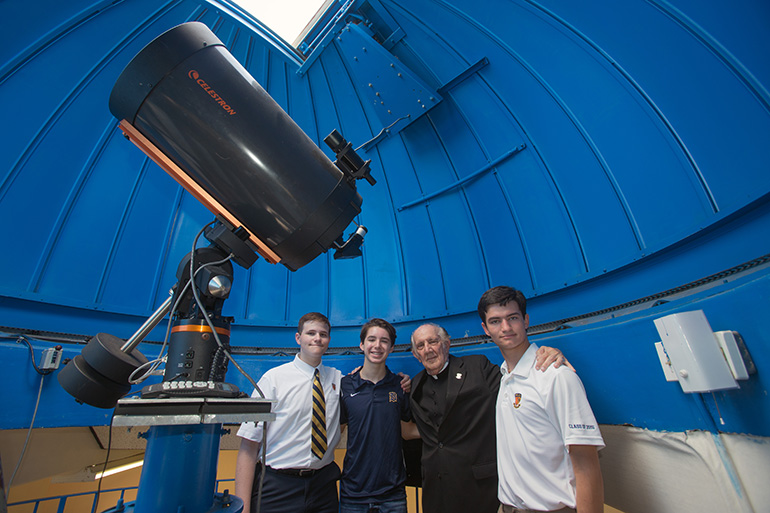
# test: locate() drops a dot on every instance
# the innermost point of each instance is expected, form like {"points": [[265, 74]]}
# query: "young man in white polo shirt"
{"points": [[301, 475], [547, 436]]}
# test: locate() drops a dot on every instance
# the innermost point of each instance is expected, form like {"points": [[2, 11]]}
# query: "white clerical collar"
{"points": [[435, 376]]}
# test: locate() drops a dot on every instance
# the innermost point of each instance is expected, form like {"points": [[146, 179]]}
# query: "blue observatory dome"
{"points": [[609, 159]]}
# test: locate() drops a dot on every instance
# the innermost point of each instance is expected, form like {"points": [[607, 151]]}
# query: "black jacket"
{"points": [[459, 463]]}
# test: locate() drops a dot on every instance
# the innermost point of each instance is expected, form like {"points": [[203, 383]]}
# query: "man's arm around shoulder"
{"points": [[245, 468], [588, 478]]}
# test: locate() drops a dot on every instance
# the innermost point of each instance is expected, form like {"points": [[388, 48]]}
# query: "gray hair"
{"points": [[442, 333]]}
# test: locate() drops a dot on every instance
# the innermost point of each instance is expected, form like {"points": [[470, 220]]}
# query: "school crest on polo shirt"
{"points": [[517, 400], [392, 397]]}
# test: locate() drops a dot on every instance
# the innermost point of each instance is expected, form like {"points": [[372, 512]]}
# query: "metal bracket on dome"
{"points": [[473, 68], [425, 198], [387, 85]]}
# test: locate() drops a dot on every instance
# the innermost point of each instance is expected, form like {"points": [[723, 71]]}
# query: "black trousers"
{"points": [[285, 493]]}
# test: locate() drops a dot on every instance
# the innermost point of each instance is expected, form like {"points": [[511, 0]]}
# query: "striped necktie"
{"points": [[318, 439]]}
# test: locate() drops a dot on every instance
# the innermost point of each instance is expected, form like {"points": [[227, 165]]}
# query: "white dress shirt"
{"points": [[288, 436]]}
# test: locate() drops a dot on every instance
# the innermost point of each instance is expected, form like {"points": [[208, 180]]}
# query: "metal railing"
{"points": [[16, 507]]}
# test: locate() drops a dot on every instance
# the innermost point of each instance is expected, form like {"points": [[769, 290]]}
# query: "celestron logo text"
{"points": [[221, 101]]}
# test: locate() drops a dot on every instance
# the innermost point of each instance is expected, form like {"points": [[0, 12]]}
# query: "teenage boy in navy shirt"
{"points": [[374, 406]]}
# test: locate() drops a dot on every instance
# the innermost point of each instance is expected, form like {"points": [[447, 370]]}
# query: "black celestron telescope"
{"points": [[188, 104]]}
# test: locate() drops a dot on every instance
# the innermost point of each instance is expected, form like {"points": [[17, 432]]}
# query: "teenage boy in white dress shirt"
{"points": [[547, 436], [296, 480]]}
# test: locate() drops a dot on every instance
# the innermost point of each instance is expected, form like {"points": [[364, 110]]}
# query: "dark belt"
{"points": [[297, 472], [504, 508]]}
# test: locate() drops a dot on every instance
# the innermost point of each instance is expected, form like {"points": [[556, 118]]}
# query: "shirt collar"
{"points": [[525, 363], [305, 368], [359, 382]]}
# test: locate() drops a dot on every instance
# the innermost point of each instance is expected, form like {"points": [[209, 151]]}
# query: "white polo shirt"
{"points": [[539, 415], [288, 436]]}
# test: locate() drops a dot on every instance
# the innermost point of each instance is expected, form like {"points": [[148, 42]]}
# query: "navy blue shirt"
{"points": [[374, 464]]}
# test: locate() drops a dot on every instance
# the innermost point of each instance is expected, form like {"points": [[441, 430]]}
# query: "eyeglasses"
{"points": [[429, 342]]}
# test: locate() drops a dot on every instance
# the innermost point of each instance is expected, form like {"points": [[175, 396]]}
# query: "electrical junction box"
{"points": [[696, 358], [50, 359]]}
